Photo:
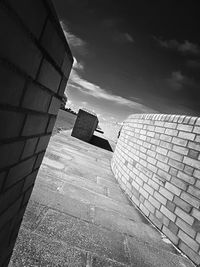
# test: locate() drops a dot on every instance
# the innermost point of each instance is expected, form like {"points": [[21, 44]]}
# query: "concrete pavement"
{"points": [[78, 216]]}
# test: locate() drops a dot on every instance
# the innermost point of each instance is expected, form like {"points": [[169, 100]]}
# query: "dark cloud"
{"points": [[185, 47]]}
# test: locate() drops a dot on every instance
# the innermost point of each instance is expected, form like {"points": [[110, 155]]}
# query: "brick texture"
{"points": [[35, 63], [165, 174]]}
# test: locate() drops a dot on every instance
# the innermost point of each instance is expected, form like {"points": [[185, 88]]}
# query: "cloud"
{"points": [[74, 41], [123, 37], [96, 91], [185, 47], [178, 81], [77, 65], [195, 64]]}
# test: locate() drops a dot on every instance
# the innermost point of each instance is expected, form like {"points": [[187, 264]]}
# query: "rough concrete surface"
{"points": [[78, 216]]}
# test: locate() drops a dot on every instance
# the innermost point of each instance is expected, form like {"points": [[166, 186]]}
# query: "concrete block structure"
{"points": [[35, 63], [157, 163], [85, 125]]}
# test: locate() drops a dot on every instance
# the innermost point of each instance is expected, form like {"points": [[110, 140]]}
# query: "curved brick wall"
{"points": [[157, 163]]}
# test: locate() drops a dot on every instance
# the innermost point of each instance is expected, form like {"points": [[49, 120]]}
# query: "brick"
{"points": [[179, 141], [190, 199], [168, 213], [165, 137], [148, 189], [144, 193], [162, 158], [10, 196], [154, 202], [173, 171], [196, 213], [176, 164], [19, 171], [185, 227], [28, 10], [170, 235], [4, 237], [2, 178], [197, 174], [149, 206], [189, 252], [54, 106], [185, 127], [166, 145], [10, 213], [27, 195], [162, 166], [43, 142], [29, 147], [63, 86], [36, 99], [188, 240], [29, 180], [35, 124], [193, 154], [49, 76], [170, 125], [188, 169], [175, 190], [10, 153], [194, 145], [194, 191], [162, 218], [11, 124], [198, 238], [159, 129], [182, 204], [184, 216], [67, 65], [166, 193], [192, 162], [175, 156], [173, 228], [185, 135], [51, 124], [196, 225], [170, 206], [144, 210], [153, 184], [180, 149], [171, 132], [16, 46], [162, 151], [180, 184], [164, 175], [12, 84], [187, 178], [196, 130], [39, 160], [197, 184], [155, 221], [52, 43]]}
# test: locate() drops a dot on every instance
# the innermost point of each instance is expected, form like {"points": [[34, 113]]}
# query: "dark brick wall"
{"points": [[35, 62]]}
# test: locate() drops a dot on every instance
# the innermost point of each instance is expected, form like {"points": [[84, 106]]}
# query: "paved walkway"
{"points": [[78, 216]]}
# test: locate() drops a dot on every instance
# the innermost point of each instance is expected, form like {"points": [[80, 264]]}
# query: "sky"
{"points": [[132, 56]]}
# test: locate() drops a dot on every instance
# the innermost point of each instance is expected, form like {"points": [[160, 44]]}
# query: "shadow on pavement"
{"points": [[100, 142]]}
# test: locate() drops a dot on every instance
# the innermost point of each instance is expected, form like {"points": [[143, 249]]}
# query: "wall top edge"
{"points": [[165, 117]]}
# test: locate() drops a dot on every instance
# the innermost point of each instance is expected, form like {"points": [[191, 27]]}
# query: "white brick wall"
{"points": [[163, 155]]}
